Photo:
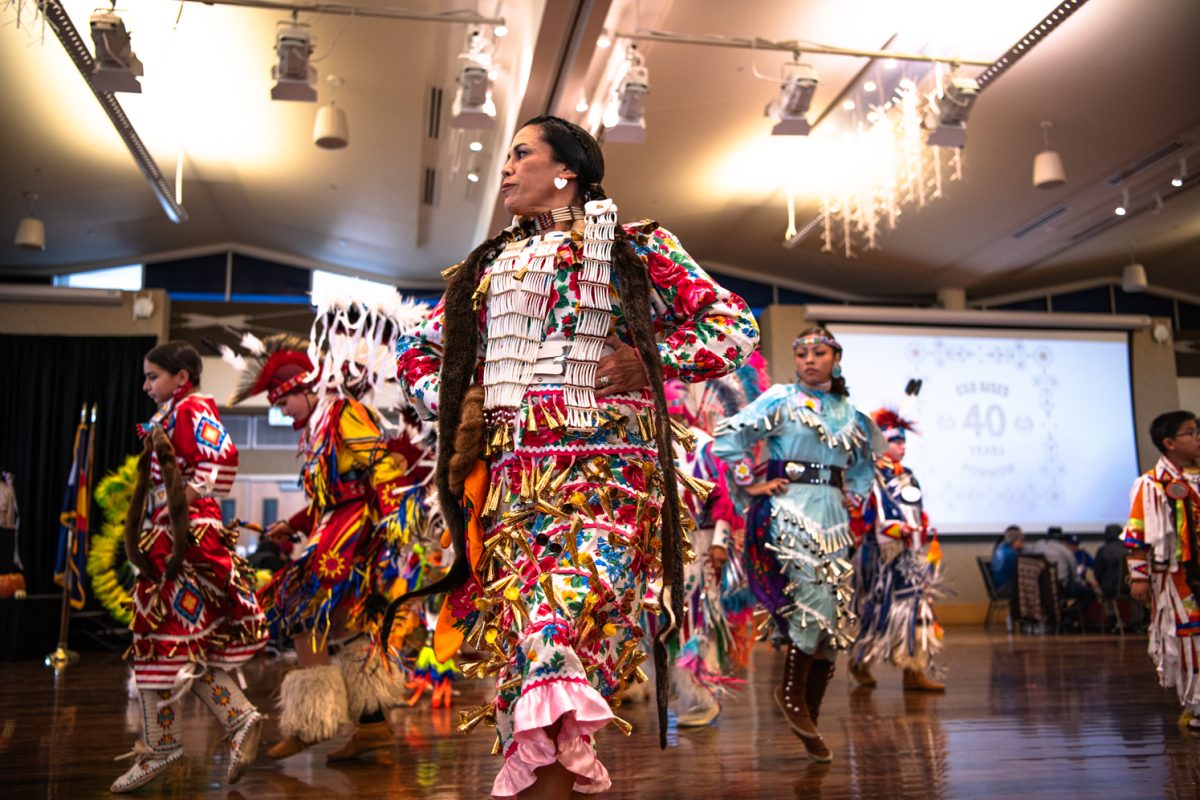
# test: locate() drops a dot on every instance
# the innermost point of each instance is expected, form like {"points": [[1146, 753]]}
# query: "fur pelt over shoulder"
{"points": [[177, 508], [460, 346]]}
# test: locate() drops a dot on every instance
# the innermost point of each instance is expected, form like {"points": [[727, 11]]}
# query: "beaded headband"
{"points": [[301, 380], [813, 339]]}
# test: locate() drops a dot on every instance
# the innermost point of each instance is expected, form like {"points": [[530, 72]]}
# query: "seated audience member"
{"points": [[1110, 563], [1084, 562], [1055, 550], [1004, 559], [1110, 572]]}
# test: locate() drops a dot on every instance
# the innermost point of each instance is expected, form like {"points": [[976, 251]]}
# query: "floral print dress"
{"points": [[571, 515]]}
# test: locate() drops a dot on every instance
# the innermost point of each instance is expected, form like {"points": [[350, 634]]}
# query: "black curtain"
{"points": [[46, 379]]}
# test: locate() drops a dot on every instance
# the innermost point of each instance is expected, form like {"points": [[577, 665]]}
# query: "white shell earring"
{"points": [[560, 183]]}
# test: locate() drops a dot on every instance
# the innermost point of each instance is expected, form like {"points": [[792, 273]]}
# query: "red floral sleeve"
{"points": [[704, 329], [419, 363]]}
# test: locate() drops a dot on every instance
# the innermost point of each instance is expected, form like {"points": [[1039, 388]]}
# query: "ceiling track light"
{"points": [[1048, 172], [295, 79], [31, 233], [625, 117], [796, 89], [116, 67], [473, 106], [1178, 180], [947, 124]]}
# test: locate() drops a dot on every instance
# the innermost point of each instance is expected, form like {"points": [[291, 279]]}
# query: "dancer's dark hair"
{"points": [[1165, 426], [177, 355], [575, 148]]}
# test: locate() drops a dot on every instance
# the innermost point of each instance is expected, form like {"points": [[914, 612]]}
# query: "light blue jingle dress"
{"points": [[797, 543]]}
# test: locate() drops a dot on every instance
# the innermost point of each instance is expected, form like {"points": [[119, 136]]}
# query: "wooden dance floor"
{"points": [[1029, 717]]}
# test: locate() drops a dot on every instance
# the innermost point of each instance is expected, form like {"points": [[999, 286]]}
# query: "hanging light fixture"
{"points": [[331, 130], [31, 233], [1133, 278], [1178, 180], [1048, 172]]}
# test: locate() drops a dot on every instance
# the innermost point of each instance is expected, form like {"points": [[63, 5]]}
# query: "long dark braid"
{"points": [[633, 285], [459, 362]]}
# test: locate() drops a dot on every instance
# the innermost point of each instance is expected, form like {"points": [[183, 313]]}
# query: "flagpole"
{"points": [[61, 658]]}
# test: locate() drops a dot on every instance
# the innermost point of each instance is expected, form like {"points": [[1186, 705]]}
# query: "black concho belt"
{"points": [[807, 472]]}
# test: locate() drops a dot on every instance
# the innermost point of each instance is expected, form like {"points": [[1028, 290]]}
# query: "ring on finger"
{"points": [[605, 380]]}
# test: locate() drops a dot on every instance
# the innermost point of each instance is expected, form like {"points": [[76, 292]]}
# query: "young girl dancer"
{"points": [[821, 451], [195, 616]]}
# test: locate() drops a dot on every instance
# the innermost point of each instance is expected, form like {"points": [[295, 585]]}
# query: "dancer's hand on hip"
{"points": [[621, 371]]}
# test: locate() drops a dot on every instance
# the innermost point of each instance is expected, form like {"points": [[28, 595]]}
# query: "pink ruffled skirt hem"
{"points": [[582, 710]]}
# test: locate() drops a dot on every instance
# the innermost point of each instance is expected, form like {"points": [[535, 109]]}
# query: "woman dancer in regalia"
{"points": [[544, 364]]}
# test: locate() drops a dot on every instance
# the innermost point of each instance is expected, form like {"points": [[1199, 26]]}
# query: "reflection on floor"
{"points": [[1029, 717]]}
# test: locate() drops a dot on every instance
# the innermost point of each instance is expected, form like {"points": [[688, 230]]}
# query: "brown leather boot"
{"points": [[915, 680], [372, 736], [862, 674], [819, 676], [289, 745], [790, 696], [792, 699]]}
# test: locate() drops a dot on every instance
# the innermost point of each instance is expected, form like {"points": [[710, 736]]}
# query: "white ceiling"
{"points": [[1118, 80]]}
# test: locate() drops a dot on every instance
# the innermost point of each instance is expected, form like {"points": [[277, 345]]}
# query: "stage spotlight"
{"points": [[795, 96], [625, 118], [116, 67], [295, 78], [947, 125], [473, 106]]}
